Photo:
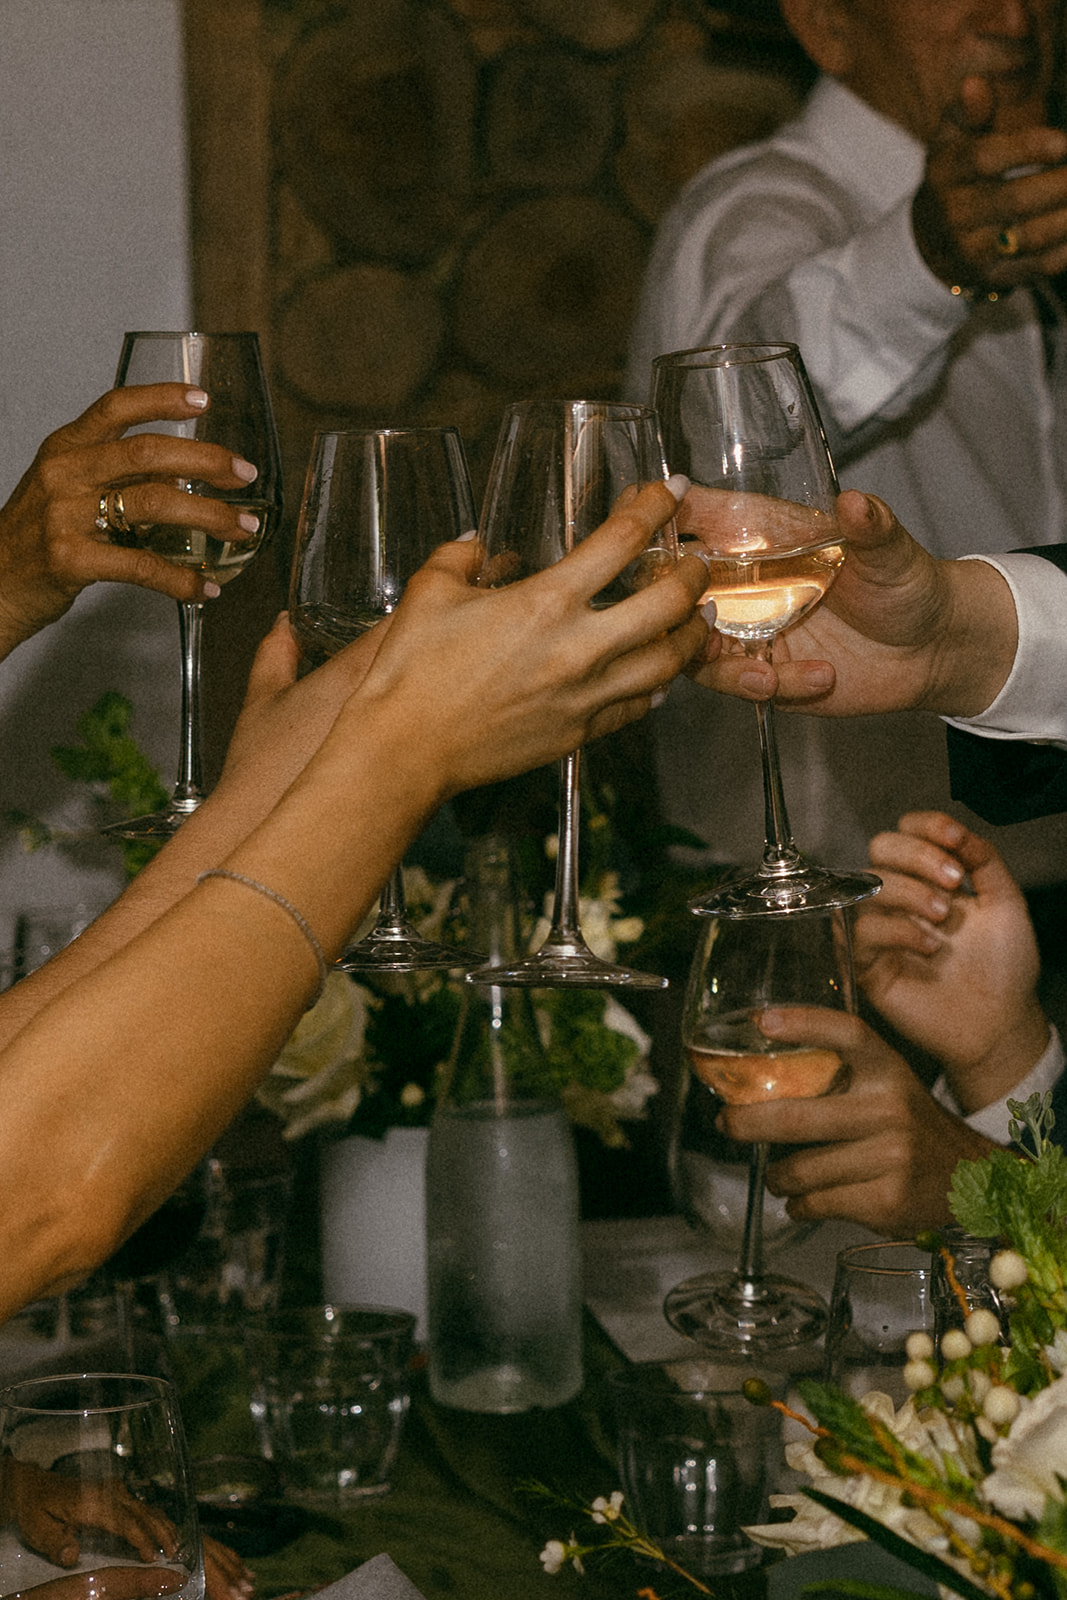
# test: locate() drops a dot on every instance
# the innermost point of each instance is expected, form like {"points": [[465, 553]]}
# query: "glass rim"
{"points": [[745, 353], [156, 1389], [642, 1377], [853, 1257], [190, 333], [427, 431], [622, 408]]}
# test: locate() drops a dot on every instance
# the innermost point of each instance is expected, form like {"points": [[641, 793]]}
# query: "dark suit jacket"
{"points": [[1008, 780]]}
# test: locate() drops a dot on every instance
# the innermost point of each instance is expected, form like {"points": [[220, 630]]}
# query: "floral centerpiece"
{"points": [[369, 1055], [965, 1483]]}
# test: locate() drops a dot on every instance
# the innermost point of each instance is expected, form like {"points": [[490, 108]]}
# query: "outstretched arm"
{"points": [[115, 1085]]}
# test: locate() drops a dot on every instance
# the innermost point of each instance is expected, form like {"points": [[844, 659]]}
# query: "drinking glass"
{"points": [[240, 417], [99, 1458], [557, 472], [377, 502], [743, 966], [740, 420], [882, 1293]]}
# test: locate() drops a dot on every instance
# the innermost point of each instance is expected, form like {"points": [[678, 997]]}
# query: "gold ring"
{"points": [[1008, 242], [116, 512], [101, 522]]}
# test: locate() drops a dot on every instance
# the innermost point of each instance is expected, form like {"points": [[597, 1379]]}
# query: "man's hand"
{"points": [[897, 629], [884, 1150], [992, 209], [946, 953]]}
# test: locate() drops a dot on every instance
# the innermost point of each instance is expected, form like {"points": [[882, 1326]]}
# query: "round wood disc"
{"points": [[360, 337], [373, 117], [549, 289], [549, 120]]}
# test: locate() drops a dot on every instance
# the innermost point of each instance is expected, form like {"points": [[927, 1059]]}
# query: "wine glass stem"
{"points": [[750, 1269], [780, 854], [392, 904], [565, 924], [189, 791]]}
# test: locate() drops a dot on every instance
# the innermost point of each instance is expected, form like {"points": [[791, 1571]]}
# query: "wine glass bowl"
{"points": [[377, 503], [741, 421], [559, 470], [229, 367], [742, 967]]}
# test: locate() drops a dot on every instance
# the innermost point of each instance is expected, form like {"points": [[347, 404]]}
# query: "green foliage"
{"points": [[408, 1037], [581, 1048]]}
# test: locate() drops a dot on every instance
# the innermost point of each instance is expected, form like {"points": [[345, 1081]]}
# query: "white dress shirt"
{"points": [[951, 413], [993, 1120]]}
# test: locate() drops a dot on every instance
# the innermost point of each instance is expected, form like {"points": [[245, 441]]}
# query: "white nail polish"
{"points": [[211, 591], [709, 612], [244, 470], [658, 698], [678, 484], [248, 522], [196, 397], [463, 538]]}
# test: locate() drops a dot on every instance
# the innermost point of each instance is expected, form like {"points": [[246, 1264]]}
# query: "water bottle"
{"points": [[501, 1192]]}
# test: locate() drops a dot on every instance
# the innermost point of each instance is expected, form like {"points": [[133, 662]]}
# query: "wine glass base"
{"points": [[400, 949], [767, 894], [729, 1311], [562, 966], [155, 825]]}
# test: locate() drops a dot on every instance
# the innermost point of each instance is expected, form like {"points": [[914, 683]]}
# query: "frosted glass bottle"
{"points": [[501, 1193]]}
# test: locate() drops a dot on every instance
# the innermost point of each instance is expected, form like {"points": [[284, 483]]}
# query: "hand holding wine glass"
{"points": [[561, 468], [742, 423], [742, 967], [228, 368]]}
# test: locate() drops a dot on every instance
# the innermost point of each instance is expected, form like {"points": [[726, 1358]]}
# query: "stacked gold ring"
{"points": [[1008, 242], [111, 513]]}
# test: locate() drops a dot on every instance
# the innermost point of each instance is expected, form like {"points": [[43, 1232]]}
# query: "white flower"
{"points": [[412, 1095], [1057, 1351], [1029, 1462], [321, 1073], [553, 1555], [607, 1510], [601, 924]]}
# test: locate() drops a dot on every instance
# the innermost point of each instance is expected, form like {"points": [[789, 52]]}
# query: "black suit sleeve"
{"points": [[1008, 780]]}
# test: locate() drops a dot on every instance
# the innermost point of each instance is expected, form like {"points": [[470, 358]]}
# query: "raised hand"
{"points": [[50, 544], [946, 953], [992, 209]]}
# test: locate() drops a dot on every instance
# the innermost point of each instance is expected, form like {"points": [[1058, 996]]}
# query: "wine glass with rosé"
{"points": [[740, 420], [742, 967]]}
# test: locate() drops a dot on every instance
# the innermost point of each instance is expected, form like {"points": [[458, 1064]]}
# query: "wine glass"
{"points": [[377, 502], [740, 420], [557, 472], [229, 367], [100, 1459], [743, 966]]}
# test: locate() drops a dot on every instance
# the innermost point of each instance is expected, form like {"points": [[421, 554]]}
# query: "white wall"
{"points": [[93, 240]]}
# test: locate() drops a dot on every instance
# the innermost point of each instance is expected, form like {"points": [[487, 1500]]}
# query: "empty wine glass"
{"points": [[740, 420], [377, 502], [99, 1459], [229, 367], [557, 473], [743, 966]]}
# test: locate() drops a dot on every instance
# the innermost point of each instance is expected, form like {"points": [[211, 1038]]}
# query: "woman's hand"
{"points": [[50, 546], [880, 1153], [485, 683], [946, 953]]}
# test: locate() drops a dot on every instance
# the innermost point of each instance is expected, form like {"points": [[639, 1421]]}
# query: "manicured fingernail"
{"points": [[679, 485], [211, 591], [248, 522], [950, 872], [709, 611], [658, 698], [196, 397], [244, 470], [471, 533], [938, 907]]}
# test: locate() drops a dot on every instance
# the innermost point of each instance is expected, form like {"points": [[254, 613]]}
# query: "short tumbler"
{"points": [[329, 1396], [697, 1462], [882, 1293]]}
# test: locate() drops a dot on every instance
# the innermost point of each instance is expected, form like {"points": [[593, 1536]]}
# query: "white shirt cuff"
{"points": [[1032, 704], [992, 1120]]}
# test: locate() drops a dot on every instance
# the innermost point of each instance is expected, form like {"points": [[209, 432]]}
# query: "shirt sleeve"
{"points": [[992, 1120], [1032, 704]]}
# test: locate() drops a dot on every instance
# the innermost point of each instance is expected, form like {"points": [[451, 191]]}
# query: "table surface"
{"points": [[457, 1521]]}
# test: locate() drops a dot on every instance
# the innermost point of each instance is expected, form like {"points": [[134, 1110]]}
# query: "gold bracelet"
{"points": [[288, 907]]}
